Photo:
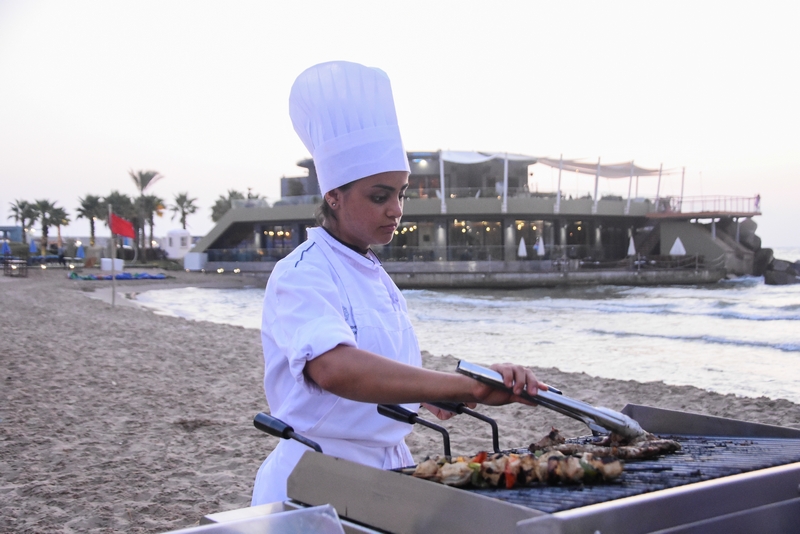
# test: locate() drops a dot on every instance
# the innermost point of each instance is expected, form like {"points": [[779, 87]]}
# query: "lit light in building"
{"points": [[534, 227], [71, 266], [463, 230], [77, 243], [220, 270], [396, 232], [488, 229], [44, 267], [519, 226], [271, 233], [579, 228], [280, 232], [266, 233], [154, 243], [237, 270]]}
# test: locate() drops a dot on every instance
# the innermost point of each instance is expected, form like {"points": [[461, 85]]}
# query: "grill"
{"points": [[700, 458], [730, 476]]}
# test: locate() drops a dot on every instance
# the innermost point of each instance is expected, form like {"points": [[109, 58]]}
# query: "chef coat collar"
{"points": [[346, 248], [362, 251]]}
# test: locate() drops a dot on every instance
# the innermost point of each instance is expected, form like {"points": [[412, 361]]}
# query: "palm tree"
{"points": [[222, 205], [143, 180], [59, 218], [122, 205], [22, 211], [183, 205], [44, 210], [150, 206], [91, 208]]}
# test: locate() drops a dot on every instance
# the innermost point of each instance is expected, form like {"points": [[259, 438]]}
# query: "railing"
{"points": [[239, 203], [556, 259], [249, 255], [710, 204], [474, 192]]}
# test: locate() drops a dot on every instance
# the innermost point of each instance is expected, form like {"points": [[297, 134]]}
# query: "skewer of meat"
{"points": [[645, 446], [514, 470]]}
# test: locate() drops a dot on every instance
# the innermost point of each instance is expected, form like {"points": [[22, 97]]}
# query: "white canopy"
{"points": [[454, 156], [607, 170]]}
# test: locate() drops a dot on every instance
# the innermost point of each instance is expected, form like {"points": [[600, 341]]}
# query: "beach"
{"points": [[123, 420]]}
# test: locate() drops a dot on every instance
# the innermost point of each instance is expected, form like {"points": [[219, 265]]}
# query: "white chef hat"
{"points": [[344, 114]]}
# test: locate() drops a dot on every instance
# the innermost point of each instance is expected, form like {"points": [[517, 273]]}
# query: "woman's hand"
{"points": [[516, 377], [442, 415]]}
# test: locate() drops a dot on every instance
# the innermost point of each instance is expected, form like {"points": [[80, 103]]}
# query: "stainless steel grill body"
{"points": [[728, 474]]}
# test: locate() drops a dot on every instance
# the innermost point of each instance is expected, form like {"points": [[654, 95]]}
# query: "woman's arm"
{"points": [[366, 377]]}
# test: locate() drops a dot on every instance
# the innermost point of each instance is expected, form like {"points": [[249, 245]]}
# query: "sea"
{"points": [[738, 336]]}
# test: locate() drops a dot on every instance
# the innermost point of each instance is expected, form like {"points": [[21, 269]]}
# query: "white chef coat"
{"points": [[322, 295]]}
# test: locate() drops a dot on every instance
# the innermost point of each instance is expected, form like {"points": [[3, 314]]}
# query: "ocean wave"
{"points": [[785, 347]]}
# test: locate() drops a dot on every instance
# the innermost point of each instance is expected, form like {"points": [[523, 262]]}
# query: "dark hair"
{"points": [[324, 213]]}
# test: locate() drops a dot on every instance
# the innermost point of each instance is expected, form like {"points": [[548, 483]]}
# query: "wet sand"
{"points": [[122, 420]]}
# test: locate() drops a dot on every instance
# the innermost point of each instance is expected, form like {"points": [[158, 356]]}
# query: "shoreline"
{"points": [[124, 420]]}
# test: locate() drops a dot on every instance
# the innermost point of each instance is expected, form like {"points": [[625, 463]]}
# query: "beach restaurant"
{"points": [[475, 212]]}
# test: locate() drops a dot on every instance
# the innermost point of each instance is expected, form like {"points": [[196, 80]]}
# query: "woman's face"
{"points": [[368, 212]]}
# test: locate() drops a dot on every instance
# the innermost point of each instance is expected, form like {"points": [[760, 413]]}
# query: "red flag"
{"points": [[121, 227]]}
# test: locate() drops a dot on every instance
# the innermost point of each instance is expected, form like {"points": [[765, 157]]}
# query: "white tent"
{"points": [[521, 251], [677, 248], [631, 248]]}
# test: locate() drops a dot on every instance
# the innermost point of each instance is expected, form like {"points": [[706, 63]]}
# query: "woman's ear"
{"points": [[332, 198]]}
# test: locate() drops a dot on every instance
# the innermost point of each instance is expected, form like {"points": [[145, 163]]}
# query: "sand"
{"points": [[121, 420]]}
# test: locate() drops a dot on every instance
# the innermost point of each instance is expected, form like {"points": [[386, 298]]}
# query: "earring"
{"points": [[333, 204]]}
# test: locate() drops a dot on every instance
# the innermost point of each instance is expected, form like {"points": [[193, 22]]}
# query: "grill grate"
{"points": [[701, 458]]}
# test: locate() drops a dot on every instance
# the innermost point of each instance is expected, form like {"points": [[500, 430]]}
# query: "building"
{"points": [[473, 212]]}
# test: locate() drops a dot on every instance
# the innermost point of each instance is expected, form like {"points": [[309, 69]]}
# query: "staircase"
{"points": [[647, 242]]}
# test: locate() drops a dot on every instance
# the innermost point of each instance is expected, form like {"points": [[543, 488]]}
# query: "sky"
{"points": [[198, 91]]}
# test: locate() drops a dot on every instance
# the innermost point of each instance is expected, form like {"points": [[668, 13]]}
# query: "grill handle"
{"points": [[275, 427], [460, 407], [398, 413]]}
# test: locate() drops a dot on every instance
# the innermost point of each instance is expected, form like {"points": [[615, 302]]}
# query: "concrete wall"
{"points": [[697, 240], [502, 274]]}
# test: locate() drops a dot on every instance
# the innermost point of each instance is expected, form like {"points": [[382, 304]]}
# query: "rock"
{"points": [[747, 234], [761, 261], [780, 278], [781, 266], [782, 272]]}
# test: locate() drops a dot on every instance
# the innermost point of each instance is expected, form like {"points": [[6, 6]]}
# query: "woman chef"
{"points": [[336, 334]]}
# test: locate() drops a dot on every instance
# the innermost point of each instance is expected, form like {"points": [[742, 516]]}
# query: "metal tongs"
{"points": [[599, 420]]}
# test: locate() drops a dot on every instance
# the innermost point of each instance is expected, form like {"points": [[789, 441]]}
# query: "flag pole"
{"points": [[113, 258]]}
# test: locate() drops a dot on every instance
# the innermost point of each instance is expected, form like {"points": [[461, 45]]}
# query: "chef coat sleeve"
{"points": [[308, 318]]}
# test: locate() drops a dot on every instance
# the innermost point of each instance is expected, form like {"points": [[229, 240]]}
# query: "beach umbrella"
{"points": [[677, 248], [521, 251], [540, 247], [80, 253], [33, 248], [631, 248], [6, 248]]}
